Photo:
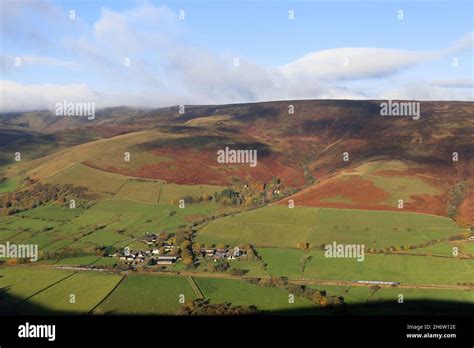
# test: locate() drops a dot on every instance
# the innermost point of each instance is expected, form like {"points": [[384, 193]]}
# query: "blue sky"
{"points": [[331, 49]]}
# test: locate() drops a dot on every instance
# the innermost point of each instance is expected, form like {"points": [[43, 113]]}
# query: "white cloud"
{"points": [[166, 70], [15, 96], [454, 83], [427, 90]]}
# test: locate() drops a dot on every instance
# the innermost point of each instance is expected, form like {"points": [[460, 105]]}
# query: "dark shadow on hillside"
{"points": [[11, 305], [14, 305], [382, 308], [207, 142]]}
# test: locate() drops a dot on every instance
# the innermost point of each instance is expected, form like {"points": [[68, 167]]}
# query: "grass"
{"points": [[58, 245], [110, 222], [442, 248], [137, 218], [78, 261], [106, 261], [142, 190], [239, 293], [104, 237], [93, 179], [468, 247], [443, 301], [279, 226], [147, 294], [355, 295], [54, 213], [170, 193], [88, 288], [401, 268], [149, 191], [255, 268], [17, 283], [8, 185]]}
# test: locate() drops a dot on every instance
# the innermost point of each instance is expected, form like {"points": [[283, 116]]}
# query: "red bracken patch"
{"points": [[193, 167], [360, 191]]}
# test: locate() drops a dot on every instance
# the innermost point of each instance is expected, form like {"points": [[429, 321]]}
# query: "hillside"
{"points": [[390, 158]]}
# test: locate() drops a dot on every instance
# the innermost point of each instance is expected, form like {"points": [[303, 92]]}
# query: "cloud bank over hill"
{"points": [[142, 57]]}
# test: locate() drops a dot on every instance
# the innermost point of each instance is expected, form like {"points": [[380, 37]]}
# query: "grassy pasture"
{"points": [[279, 226], [468, 247], [137, 218], [8, 185], [54, 213], [255, 268], [78, 261], [140, 190], [358, 295], [93, 179], [442, 248], [89, 288], [17, 284], [104, 237], [159, 192], [147, 294], [58, 245], [170, 193], [106, 261], [240, 293], [401, 268]]}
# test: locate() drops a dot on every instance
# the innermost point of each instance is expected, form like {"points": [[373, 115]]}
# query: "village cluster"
{"points": [[169, 254]]}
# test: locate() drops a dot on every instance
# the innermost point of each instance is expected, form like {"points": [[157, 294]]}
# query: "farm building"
{"points": [[166, 260]]}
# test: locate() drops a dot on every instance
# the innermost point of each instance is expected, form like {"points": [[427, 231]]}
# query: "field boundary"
{"points": [[107, 295], [46, 288], [121, 186], [61, 170], [314, 228], [195, 287]]}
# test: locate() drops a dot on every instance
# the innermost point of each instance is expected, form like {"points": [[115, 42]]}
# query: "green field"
{"points": [[78, 261], [354, 295], [239, 293], [398, 268], [93, 179], [141, 190], [468, 247], [137, 218], [148, 294], [54, 213], [110, 222], [8, 185], [442, 248], [279, 226], [254, 268], [18, 284], [89, 288], [358, 300]]}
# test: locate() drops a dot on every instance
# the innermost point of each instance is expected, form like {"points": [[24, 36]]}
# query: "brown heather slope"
{"points": [[390, 158]]}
